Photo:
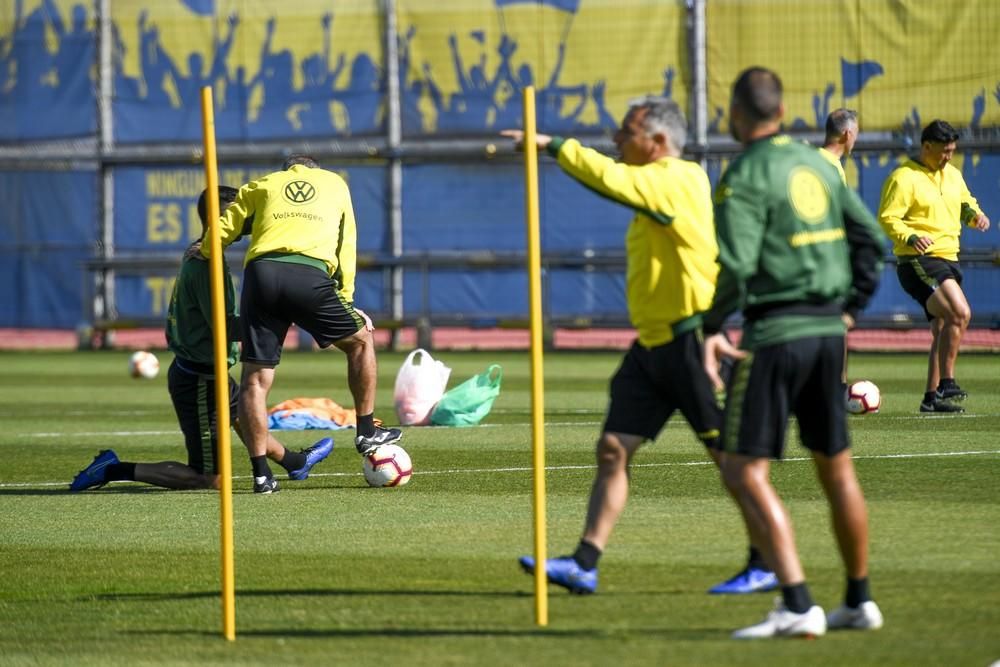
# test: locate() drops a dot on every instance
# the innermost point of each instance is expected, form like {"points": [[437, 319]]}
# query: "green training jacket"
{"points": [[797, 247]]}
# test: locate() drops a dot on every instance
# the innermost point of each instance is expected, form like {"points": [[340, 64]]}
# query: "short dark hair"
{"points": [[227, 195], [839, 121], [757, 91], [298, 158], [939, 131]]}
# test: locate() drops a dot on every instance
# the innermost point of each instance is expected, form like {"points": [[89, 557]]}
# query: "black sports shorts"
{"points": [[921, 275], [652, 383], [278, 294], [193, 395], [799, 377]]}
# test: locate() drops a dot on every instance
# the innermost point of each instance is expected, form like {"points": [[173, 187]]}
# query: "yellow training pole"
{"points": [[537, 373], [220, 342]]}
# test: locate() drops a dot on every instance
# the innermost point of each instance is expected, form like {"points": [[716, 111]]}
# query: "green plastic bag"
{"points": [[469, 402]]}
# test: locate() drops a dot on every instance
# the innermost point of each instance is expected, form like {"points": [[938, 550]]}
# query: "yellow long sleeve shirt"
{"points": [[835, 161], [670, 244], [298, 212], [919, 202]]}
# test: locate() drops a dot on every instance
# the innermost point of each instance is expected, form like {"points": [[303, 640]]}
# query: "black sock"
{"points": [[260, 467], [366, 425], [857, 592], [118, 472], [756, 560], [586, 555], [292, 460], [797, 598], [930, 396], [944, 383]]}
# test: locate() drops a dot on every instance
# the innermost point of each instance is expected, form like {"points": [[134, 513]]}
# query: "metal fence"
{"points": [[407, 97]]}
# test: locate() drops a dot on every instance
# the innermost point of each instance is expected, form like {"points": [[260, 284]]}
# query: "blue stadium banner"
{"points": [[156, 215]]}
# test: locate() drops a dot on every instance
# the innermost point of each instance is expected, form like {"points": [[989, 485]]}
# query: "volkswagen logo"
{"points": [[299, 192]]}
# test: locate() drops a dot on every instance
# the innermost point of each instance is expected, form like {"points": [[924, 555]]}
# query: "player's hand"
{"points": [[718, 346], [368, 321], [194, 251], [848, 321], [922, 244], [542, 141], [982, 223]]}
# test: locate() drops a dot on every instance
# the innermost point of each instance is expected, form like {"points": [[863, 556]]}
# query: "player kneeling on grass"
{"points": [[800, 254], [191, 383], [671, 250]]}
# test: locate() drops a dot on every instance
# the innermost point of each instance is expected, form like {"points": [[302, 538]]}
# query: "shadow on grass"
{"points": [[128, 488], [64, 491], [676, 634], [305, 592]]}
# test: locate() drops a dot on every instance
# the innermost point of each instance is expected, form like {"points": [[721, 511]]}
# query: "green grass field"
{"points": [[331, 572]]}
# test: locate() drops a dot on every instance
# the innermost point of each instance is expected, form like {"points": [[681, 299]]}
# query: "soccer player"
{"points": [[841, 134], [191, 382], [299, 268], [671, 250], [925, 202], [797, 250]]}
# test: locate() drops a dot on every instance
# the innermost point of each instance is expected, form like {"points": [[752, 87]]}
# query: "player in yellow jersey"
{"points": [[670, 279], [841, 134], [299, 268], [925, 202]]}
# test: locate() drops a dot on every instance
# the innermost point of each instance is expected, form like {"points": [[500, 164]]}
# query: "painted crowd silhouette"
{"points": [[337, 96]]}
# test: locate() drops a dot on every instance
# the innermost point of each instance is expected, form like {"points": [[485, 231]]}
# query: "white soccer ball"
{"points": [[144, 365], [863, 397], [388, 465]]}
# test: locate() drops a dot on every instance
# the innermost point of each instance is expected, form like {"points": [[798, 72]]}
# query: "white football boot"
{"points": [[866, 617], [784, 623]]}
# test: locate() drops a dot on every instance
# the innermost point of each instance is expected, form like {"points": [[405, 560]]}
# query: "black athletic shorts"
{"points": [[921, 275], [193, 394], [800, 377], [278, 294], [652, 383]]}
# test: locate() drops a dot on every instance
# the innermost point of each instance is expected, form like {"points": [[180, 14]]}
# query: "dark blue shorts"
{"points": [[276, 295], [921, 275], [653, 383], [800, 377]]}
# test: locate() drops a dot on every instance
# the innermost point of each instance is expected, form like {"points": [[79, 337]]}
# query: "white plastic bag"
{"points": [[420, 383]]}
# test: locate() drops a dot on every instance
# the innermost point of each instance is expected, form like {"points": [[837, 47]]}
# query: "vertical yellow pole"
{"points": [[220, 342], [537, 372]]}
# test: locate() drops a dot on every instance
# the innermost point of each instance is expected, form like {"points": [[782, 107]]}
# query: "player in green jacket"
{"points": [[800, 254], [670, 278]]}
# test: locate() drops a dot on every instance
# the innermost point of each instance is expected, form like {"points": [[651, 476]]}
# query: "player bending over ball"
{"points": [[299, 269], [191, 382]]}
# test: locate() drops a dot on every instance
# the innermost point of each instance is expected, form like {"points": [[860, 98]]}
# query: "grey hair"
{"points": [[839, 121], [663, 116]]}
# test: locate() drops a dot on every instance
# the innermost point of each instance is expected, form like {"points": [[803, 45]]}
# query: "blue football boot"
{"points": [[314, 455], [750, 580], [94, 475], [565, 572]]}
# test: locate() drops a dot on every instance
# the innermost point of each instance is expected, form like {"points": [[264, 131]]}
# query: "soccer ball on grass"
{"points": [[863, 397], [144, 365], [388, 465]]}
